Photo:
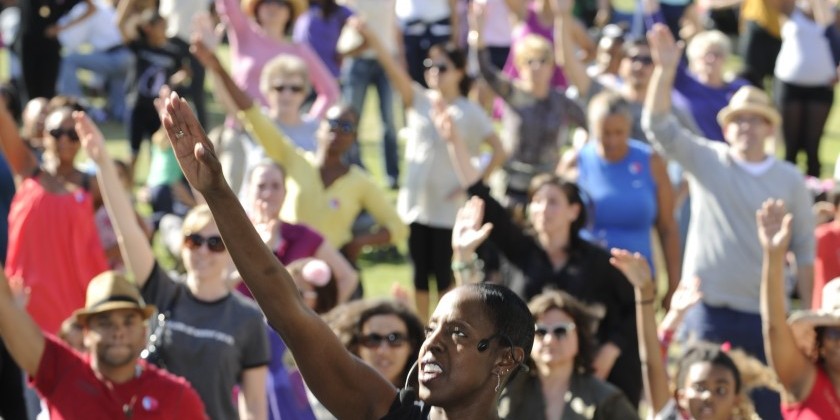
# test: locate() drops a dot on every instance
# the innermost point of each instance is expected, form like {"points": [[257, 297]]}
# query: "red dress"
{"points": [[54, 248], [821, 403]]}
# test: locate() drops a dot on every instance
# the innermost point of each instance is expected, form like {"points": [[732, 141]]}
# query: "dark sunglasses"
{"points": [[290, 88], [559, 331], [374, 340], [642, 59], [440, 66], [195, 241], [342, 126], [71, 133]]}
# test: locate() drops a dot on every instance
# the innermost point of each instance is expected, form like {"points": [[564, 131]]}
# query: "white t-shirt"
{"points": [[382, 20], [805, 57], [100, 30], [179, 16], [424, 10]]}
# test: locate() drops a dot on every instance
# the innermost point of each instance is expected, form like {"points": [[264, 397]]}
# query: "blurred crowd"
{"points": [[628, 168]]}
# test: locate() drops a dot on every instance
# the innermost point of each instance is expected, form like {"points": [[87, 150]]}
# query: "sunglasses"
{"points": [[290, 88], [342, 126], [642, 59], [559, 331], [536, 61], [56, 133], [374, 340], [195, 241], [440, 66]]}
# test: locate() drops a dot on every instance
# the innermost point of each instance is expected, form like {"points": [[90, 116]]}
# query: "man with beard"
{"points": [[111, 382]]}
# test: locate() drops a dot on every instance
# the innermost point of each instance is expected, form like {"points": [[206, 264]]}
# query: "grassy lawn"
{"points": [[379, 277]]}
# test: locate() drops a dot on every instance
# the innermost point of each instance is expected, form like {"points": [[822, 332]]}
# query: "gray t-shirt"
{"points": [[303, 134], [208, 343]]}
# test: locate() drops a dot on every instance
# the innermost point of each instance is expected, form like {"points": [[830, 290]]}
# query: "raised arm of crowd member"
{"points": [[636, 269], [134, 245], [397, 74], [796, 372], [468, 233], [336, 383], [564, 47], [489, 72], [124, 9], [21, 159], [23, 338]]}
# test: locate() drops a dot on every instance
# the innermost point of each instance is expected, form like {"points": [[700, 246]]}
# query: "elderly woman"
{"points": [[537, 116], [205, 323], [54, 200], [562, 386], [804, 351], [627, 184]]}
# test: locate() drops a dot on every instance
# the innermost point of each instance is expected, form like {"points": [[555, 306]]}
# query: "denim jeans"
{"points": [[113, 66], [358, 75]]}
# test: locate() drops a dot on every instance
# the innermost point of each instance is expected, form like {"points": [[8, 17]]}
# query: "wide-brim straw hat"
{"points": [[111, 291], [804, 322], [750, 99], [298, 7]]}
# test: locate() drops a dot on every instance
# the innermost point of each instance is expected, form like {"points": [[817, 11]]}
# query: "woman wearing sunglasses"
{"points": [[431, 195], [213, 337], [51, 219], [322, 190], [560, 384]]}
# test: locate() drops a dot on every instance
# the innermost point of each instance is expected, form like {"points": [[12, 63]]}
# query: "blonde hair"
{"points": [[702, 41], [198, 218], [531, 45], [283, 65]]}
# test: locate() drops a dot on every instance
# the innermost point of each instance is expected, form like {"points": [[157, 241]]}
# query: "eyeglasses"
{"points": [[559, 331], [440, 66], [373, 340], [195, 241], [342, 126], [642, 59], [56, 133], [290, 88]]}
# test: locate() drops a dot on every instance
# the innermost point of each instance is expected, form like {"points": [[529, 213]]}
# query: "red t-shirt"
{"points": [[827, 261], [822, 402], [72, 390]]}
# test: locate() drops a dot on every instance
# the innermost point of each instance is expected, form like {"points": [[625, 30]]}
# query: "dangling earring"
{"points": [[498, 381]]}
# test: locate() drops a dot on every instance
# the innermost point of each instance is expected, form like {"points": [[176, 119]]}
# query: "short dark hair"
{"points": [[458, 57], [508, 313], [704, 352]]}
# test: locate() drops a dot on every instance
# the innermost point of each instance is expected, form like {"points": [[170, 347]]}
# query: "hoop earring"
{"points": [[498, 381]]}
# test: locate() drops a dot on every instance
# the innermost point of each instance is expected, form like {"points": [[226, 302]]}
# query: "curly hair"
{"points": [[585, 317]]}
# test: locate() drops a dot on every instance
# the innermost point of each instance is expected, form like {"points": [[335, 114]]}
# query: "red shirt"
{"points": [[822, 402], [73, 391], [827, 261]]}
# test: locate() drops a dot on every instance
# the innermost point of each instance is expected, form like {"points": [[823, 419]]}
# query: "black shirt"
{"points": [[152, 68]]}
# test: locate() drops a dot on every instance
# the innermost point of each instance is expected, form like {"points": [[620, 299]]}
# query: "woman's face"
{"points": [[199, 259], [556, 342], [709, 62], [60, 137], [273, 13], [536, 67], [385, 345], [337, 131], [549, 210], [708, 392], [830, 348], [451, 369], [268, 190], [441, 73], [612, 133], [287, 93]]}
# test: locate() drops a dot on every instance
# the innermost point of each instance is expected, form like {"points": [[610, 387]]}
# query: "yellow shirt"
{"points": [[767, 17], [333, 210]]}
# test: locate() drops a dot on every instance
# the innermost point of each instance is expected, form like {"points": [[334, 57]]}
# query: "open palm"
{"points": [[92, 139], [192, 148], [469, 232], [774, 223]]}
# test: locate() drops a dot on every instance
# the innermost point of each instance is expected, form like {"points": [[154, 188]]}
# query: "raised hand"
{"points": [[561, 7], [635, 268], [361, 27], [469, 232], [664, 49], [92, 139], [192, 148], [204, 54], [687, 295], [477, 16], [774, 226]]}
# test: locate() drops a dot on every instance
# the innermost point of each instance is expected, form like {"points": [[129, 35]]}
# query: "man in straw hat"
{"points": [[805, 351], [728, 182], [109, 383]]}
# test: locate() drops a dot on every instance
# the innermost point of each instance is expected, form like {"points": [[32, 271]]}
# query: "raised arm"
{"points": [[398, 76], [54, 30], [796, 372], [22, 336], [666, 57], [124, 9], [211, 62], [654, 375], [564, 48], [134, 245], [468, 233], [666, 226], [518, 9], [307, 336], [489, 72], [20, 158]]}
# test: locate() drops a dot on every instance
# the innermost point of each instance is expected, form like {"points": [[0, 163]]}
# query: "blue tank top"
{"points": [[622, 196]]}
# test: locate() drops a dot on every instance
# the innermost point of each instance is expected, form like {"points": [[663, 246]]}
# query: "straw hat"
{"points": [[749, 99], [829, 312], [110, 291], [298, 7]]}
